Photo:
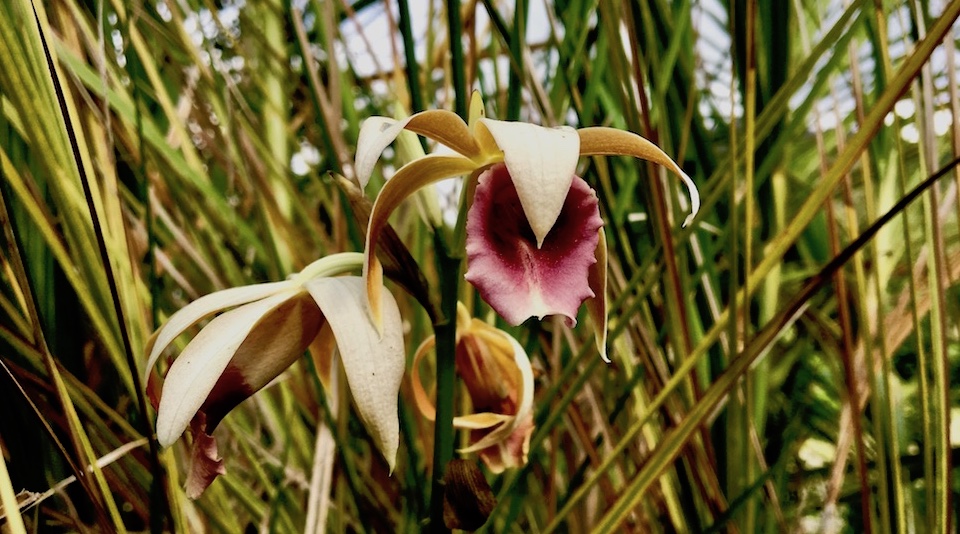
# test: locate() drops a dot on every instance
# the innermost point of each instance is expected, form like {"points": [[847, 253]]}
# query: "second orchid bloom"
{"points": [[535, 242], [499, 379]]}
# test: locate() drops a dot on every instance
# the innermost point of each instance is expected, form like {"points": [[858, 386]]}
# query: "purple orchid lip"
{"points": [[514, 276]]}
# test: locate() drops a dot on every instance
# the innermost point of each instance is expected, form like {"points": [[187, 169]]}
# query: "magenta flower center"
{"points": [[515, 277]]}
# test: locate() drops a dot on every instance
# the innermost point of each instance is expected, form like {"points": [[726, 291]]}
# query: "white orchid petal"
{"points": [[373, 364], [542, 162], [376, 134], [198, 368], [203, 307], [280, 338]]}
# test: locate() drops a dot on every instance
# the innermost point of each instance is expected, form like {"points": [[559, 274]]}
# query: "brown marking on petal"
{"points": [[230, 391], [205, 461], [154, 387], [321, 350], [278, 340]]}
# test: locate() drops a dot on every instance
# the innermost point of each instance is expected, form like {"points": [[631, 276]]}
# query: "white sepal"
{"points": [[374, 364], [542, 162]]}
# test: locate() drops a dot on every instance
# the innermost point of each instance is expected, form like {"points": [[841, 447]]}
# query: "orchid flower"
{"points": [[535, 244], [499, 379], [266, 329]]}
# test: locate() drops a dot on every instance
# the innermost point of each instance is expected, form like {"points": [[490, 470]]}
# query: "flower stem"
{"points": [[445, 329], [409, 51], [457, 65]]}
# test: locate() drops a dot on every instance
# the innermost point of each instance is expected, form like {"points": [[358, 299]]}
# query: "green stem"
{"points": [[456, 57], [445, 329], [517, 42], [409, 54]]}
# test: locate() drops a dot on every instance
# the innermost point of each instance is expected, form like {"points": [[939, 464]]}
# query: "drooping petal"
{"points": [[279, 339], [205, 461], [513, 275], [425, 406], [203, 307], [409, 148], [408, 179], [373, 363], [599, 141], [198, 368], [542, 162], [498, 375], [377, 133], [397, 260], [597, 305]]}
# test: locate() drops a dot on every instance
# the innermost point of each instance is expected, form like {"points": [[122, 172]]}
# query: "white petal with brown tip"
{"points": [[198, 368]]}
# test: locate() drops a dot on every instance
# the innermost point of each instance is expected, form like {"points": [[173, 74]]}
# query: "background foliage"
{"points": [[780, 365]]}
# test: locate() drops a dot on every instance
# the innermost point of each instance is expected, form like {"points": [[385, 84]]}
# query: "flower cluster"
{"points": [[266, 329], [535, 246], [535, 243]]}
